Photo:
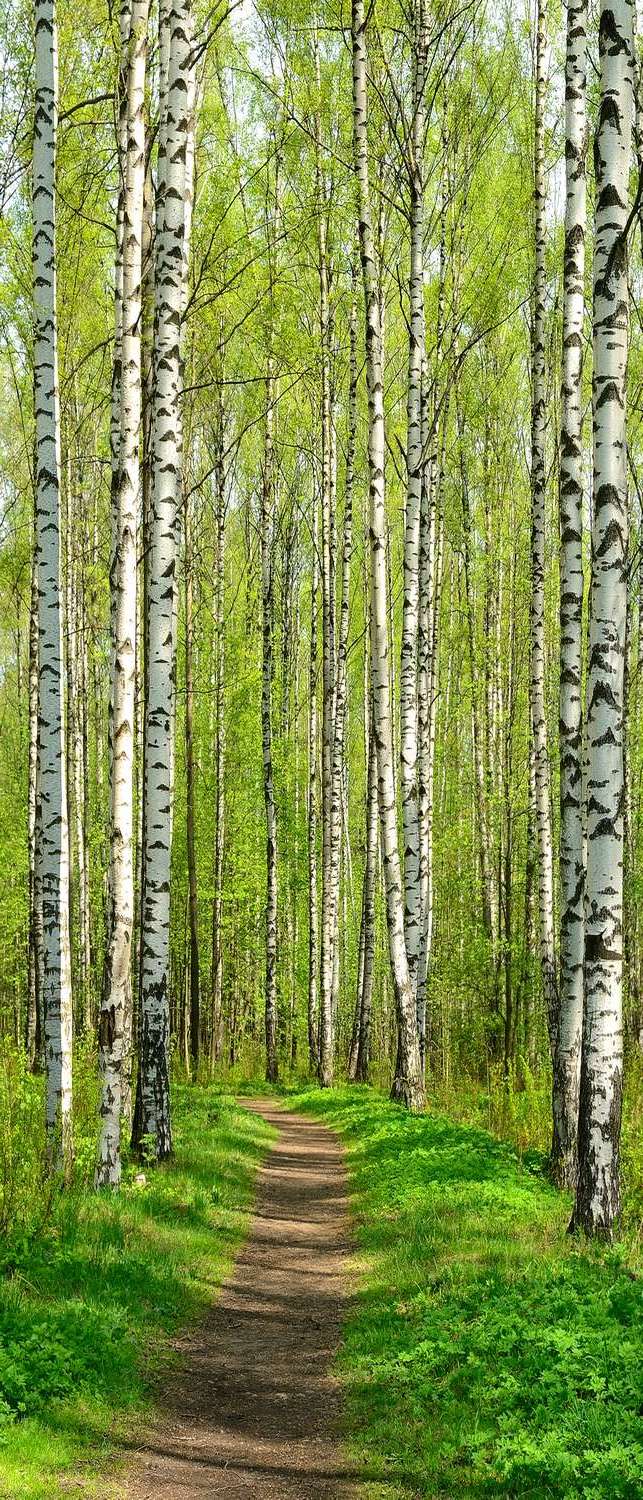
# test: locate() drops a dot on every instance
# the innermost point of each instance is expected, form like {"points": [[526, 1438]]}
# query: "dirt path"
{"points": [[254, 1409]]}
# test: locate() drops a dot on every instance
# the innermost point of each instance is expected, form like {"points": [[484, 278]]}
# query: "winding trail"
{"points": [[254, 1408]]}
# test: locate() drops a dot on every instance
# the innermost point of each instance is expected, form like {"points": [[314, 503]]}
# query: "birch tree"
{"points": [[152, 1111], [415, 469], [52, 812], [329, 662], [117, 981], [598, 1187], [267, 575], [408, 1086], [313, 912], [538, 488], [33, 1033], [219, 725], [567, 1050]]}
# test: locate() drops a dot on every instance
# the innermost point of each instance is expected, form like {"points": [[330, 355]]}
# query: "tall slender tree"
{"points": [[52, 813], [415, 469], [219, 715], [33, 1034], [329, 644], [598, 1187], [313, 909], [538, 494], [567, 1049], [267, 579], [152, 1110], [117, 980], [408, 1086]]}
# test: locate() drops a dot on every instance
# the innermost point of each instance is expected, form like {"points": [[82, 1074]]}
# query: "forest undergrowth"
{"points": [[487, 1353], [93, 1286]]}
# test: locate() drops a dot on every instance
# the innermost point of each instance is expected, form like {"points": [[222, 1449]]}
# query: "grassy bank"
{"points": [[486, 1354], [522, 1115], [89, 1298]]}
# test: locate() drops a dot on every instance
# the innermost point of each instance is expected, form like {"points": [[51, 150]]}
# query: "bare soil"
{"points": [[254, 1408]]}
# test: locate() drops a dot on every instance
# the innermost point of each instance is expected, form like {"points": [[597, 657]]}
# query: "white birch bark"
{"points": [[189, 168], [329, 680], [73, 641], [78, 708], [408, 1084], [120, 918], [267, 574], [427, 575], [338, 728], [125, 18], [567, 1051], [598, 1188], [33, 1037], [538, 434], [313, 911], [414, 465], [370, 877], [54, 834], [152, 1115], [219, 728], [431, 526]]}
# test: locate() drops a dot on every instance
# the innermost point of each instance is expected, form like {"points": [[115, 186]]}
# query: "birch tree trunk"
{"points": [[313, 915], [117, 978], [125, 19], [477, 746], [219, 732], [33, 1037], [338, 723], [54, 833], [328, 894], [193, 907], [409, 1085], [370, 878], [538, 431], [415, 468], [427, 584], [566, 1060], [598, 1188], [267, 522], [78, 646], [152, 1112]]}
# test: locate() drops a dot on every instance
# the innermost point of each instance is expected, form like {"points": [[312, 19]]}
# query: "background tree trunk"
{"points": [[408, 1085], [54, 833], [538, 430], [566, 1061]]}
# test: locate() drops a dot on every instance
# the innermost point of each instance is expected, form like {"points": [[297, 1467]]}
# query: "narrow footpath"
{"points": [[253, 1409]]}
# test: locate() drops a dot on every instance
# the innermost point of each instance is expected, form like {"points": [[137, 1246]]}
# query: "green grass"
{"points": [[87, 1303], [486, 1354]]}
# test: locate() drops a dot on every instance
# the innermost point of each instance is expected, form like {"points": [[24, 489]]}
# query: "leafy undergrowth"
{"points": [[486, 1354], [88, 1301], [521, 1113]]}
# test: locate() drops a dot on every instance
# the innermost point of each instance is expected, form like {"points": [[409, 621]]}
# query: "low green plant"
{"points": [[518, 1110], [486, 1353], [91, 1291]]}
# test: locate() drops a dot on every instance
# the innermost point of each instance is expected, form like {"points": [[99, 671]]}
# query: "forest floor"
{"points": [[253, 1407], [403, 1292], [486, 1352], [94, 1288]]}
